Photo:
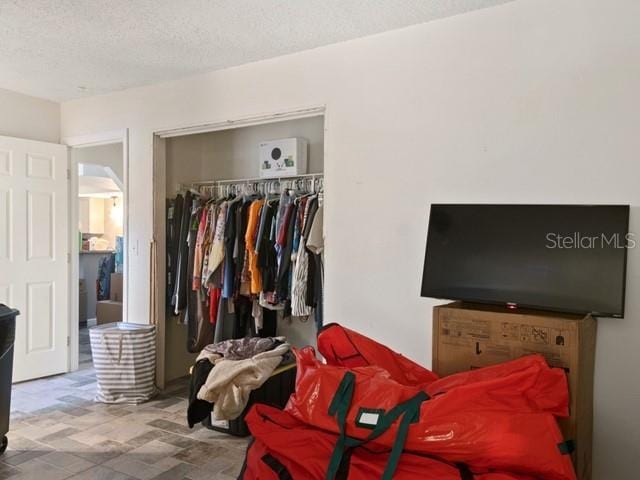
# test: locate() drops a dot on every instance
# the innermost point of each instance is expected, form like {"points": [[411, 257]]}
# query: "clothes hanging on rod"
{"points": [[173, 221], [243, 254], [179, 296]]}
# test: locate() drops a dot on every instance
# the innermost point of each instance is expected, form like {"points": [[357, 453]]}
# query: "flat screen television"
{"points": [[566, 258]]}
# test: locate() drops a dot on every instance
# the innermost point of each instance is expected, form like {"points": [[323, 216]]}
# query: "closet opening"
{"points": [[212, 173]]}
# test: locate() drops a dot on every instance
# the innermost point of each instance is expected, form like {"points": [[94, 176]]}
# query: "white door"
{"points": [[34, 248]]}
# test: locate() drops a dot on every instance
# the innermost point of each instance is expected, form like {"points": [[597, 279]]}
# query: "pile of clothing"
{"points": [[237, 264], [369, 413], [227, 372]]}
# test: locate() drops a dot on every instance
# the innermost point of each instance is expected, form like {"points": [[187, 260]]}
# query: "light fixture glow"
{"points": [[116, 212]]}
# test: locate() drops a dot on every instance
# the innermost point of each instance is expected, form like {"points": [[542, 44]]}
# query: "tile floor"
{"points": [[57, 432]]}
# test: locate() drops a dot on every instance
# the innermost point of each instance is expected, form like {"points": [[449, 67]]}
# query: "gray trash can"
{"points": [[7, 340], [124, 357]]}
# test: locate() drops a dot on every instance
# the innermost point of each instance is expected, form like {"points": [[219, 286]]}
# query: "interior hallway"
{"points": [[58, 432]]}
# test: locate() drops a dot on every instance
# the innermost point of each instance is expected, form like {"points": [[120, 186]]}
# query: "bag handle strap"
{"points": [[277, 466], [105, 341], [409, 410], [339, 408]]}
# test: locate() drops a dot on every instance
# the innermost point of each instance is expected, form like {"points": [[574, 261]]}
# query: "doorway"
{"points": [[100, 240], [98, 236]]}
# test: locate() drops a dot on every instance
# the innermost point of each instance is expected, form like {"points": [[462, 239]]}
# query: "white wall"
{"points": [[531, 101], [29, 117], [109, 155], [234, 153]]}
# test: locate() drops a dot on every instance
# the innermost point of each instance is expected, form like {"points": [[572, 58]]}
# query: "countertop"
{"points": [[101, 252]]}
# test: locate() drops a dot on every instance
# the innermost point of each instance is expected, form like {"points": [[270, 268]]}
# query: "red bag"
{"points": [[470, 424], [527, 379], [285, 448], [346, 348], [530, 378]]}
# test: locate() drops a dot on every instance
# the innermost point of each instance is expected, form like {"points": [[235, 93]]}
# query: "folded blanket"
{"points": [[230, 382]]}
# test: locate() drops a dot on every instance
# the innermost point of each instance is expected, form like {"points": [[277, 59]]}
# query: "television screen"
{"points": [[567, 258]]}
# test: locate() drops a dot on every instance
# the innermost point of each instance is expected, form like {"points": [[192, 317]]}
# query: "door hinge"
{"points": [[68, 341], [68, 258]]}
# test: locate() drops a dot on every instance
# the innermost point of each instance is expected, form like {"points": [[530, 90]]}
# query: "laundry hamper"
{"points": [[124, 356]]}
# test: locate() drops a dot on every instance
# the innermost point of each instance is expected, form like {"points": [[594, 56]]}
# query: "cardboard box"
{"points": [[115, 290], [108, 311], [468, 336]]}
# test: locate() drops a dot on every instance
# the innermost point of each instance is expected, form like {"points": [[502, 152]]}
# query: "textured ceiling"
{"points": [[64, 49]]}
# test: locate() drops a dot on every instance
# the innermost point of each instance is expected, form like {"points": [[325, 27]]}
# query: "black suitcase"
{"points": [[275, 392]]}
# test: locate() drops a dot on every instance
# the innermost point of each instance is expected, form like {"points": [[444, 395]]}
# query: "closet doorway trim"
{"points": [[243, 122], [159, 198]]}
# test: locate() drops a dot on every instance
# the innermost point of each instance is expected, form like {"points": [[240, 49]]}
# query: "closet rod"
{"points": [[257, 180]]}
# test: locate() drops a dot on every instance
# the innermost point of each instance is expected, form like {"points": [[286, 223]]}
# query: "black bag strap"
{"points": [[465, 473], [274, 464], [409, 410]]}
